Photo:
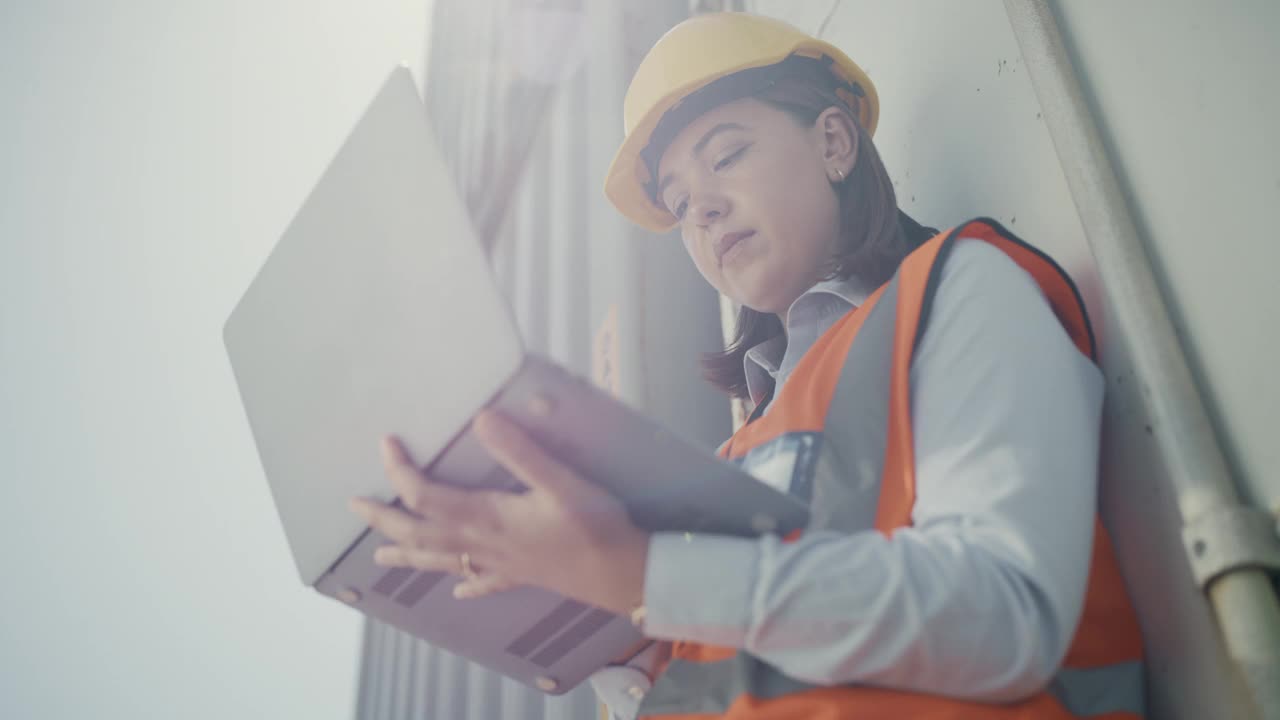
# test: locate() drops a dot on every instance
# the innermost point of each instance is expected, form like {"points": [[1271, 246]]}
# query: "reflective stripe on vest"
{"points": [[692, 688], [849, 392], [1085, 692]]}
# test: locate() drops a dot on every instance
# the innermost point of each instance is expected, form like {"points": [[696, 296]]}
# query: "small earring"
{"points": [[839, 174]]}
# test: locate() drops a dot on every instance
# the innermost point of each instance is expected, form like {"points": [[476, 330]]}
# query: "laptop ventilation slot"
{"points": [[573, 637], [390, 582], [420, 586], [553, 623]]}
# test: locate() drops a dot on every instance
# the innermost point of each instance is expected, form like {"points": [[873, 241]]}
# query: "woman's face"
{"points": [[752, 190]]}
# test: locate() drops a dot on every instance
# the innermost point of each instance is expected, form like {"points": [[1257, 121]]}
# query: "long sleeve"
{"points": [[980, 597]]}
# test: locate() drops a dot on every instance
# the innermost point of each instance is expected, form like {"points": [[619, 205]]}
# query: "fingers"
{"points": [[405, 528], [416, 491], [521, 455], [477, 585], [481, 585], [430, 560]]}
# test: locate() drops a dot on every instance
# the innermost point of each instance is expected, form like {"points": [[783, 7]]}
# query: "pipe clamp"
{"points": [[1230, 538]]}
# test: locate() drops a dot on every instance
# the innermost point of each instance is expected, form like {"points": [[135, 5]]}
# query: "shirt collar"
{"points": [[809, 316]]}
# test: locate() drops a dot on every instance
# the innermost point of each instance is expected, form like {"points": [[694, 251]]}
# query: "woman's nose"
{"points": [[706, 208]]}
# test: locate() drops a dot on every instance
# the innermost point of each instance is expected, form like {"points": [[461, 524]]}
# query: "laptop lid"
{"points": [[318, 342]]}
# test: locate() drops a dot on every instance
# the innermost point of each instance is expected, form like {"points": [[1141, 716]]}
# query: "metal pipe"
{"points": [[1242, 598]]}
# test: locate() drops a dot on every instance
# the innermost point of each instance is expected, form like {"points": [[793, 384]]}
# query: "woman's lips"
{"points": [[728, 241]]}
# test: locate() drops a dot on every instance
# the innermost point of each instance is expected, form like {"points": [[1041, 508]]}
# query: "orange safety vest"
{"points": [[863, 476]]}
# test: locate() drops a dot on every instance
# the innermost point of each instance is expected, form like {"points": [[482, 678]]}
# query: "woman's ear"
{"points": [[839, 138]]}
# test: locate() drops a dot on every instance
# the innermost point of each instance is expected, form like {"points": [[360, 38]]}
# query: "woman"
{"points": [[934, 399]]}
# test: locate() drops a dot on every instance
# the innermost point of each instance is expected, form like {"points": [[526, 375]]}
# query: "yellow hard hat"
{"points": [[718, 57]]}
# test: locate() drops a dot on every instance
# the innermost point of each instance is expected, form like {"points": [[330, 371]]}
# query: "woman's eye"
{"points": [[728, 160]]}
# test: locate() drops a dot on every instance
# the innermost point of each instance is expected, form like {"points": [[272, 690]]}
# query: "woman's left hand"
{"points": [[565, 534]]}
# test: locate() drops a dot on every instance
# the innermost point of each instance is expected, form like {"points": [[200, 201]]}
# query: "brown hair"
{"points": [[874, 235]]}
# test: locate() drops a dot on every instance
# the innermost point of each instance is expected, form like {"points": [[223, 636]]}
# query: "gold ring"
{"points": [[468, 572]]}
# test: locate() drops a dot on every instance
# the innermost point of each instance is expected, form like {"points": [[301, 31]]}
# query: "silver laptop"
{"points": [[377, 313]]}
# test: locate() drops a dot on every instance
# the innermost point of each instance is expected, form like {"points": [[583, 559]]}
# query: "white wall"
{"points": [[1187, 99], [150, 154]]}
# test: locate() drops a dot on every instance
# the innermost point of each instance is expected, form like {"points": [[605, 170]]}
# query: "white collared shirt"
{"points": [[980, 597], [809, 316]]}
